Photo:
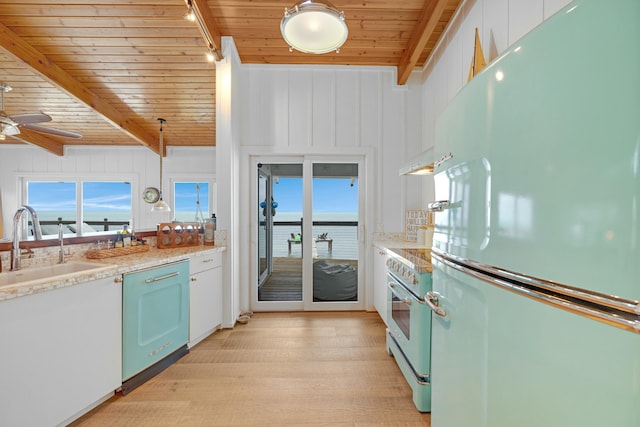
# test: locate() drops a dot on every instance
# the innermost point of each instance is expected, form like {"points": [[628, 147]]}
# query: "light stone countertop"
{"points": [[415, 256], [394, 240], [112, 267]]}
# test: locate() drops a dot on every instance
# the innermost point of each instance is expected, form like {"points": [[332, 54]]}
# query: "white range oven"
{"points": [[410, 303]]}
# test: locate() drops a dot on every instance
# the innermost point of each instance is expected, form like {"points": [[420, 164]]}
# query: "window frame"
{"points": [[22, 192], [208, 178]]}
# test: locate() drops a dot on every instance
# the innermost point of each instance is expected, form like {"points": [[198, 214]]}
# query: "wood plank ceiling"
{"points": [[109, 68]]}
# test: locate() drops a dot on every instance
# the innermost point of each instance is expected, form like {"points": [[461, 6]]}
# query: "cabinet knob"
{"points": [[118, 279], [194, 279]]}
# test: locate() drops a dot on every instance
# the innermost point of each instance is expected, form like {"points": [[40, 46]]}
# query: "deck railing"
{"points": [[105, 224], [344, 236]]}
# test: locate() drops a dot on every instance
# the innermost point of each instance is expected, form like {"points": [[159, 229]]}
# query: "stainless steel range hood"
{"points": [[422, 164]]}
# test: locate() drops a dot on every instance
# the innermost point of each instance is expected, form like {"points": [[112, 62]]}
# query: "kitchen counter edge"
{"points": [[120, 265]]}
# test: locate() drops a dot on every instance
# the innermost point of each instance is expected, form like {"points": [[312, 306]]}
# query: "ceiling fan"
{"points": [[10, 125]]}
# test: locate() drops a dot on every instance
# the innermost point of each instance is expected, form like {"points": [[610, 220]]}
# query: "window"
{"points": [[106, 206], [191, 201], [83, 207]]}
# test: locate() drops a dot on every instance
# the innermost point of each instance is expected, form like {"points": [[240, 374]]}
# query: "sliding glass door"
{"points": [[335, 247], [310, 261], [280, 203]]}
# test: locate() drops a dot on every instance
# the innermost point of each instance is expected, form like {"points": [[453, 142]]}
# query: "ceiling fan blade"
{"points": [[30, 118], [58, 132]]}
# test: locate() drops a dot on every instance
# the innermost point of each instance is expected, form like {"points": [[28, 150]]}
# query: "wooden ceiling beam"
{"points": [[41, 64], [426, 25], [34, 138]]}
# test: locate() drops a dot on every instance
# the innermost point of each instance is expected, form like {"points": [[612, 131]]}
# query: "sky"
{"points": [[329, 195]]}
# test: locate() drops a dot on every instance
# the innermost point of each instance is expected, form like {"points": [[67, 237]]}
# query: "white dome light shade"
{"points": [[312, 27]]}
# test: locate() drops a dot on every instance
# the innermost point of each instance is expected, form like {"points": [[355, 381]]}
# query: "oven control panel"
{"points": [[402, 271]]}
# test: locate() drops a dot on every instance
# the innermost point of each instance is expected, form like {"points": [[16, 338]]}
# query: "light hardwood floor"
{"points": [[280, 369]]}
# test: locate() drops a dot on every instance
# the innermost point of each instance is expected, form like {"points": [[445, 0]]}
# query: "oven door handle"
{"points": [[432, 300], [392, 287]]}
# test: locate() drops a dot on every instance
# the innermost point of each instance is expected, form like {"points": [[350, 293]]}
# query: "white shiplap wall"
{"points": [[305, 110], [297, 110], [139, 164]]}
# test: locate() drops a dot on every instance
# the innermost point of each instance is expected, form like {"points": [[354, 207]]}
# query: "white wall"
{"points": [[299, 109], [139, 164], [229, 86], [332, 110]]}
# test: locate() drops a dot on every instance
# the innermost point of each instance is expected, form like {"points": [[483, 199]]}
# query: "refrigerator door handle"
{"points": [[438, 206], [433, 301]]}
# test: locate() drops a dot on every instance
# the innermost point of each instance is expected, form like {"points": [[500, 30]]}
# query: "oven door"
{"points": [[409, 324]]}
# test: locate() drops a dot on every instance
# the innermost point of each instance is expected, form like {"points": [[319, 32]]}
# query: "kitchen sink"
{"points": [[51, 273]]}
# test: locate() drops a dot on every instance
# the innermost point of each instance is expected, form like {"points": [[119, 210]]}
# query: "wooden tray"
{"points": [[177, 235], [108, 253]]}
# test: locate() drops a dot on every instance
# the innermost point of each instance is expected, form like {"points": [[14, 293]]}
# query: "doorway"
{"points": [[308, 238]]}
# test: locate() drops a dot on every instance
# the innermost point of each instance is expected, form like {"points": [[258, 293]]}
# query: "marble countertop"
{"points": [[112, 267], [383, 240], [413, 255]]}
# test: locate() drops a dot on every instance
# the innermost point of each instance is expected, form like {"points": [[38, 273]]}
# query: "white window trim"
{"points": [[23, 178], [200, 177]]}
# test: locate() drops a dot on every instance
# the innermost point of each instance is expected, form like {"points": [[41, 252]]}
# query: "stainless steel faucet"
{"points": [[17, 232], [61, 238]]}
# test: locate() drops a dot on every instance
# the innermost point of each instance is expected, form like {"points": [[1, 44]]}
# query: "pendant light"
{"points": [[160, 205], [314, 26]]}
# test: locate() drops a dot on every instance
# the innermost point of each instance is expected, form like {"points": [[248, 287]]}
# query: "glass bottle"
{"points": [[209, 231]]}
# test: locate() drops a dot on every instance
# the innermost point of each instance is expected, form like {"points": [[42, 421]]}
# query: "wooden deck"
{"points": [[285, 282]]}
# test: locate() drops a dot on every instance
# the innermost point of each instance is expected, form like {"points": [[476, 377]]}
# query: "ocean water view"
{"points": [[345, 237], [344, 244], [49, 219]]}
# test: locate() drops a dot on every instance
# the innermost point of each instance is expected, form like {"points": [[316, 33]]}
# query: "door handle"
{"points": [[166, 276], [438, 206], [392, 287], [432, 300]]}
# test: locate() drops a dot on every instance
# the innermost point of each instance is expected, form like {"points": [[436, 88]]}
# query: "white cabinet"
{"points": [[61, 352], [206, 296], [380, 282]]}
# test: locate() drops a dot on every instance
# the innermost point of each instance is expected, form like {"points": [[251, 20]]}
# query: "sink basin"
{"points": [[51, 273]]}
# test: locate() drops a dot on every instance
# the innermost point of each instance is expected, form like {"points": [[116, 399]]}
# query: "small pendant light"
{"points": [[160, 205]]}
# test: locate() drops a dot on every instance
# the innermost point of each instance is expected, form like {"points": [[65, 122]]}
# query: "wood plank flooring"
{"points": [[280, 369]]}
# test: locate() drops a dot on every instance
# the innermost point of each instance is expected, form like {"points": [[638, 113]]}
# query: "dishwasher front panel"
{"points": [[155, 315]]}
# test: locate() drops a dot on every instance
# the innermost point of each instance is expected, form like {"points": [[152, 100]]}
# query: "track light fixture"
{"points": [[193, 15], [213, 55]]}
